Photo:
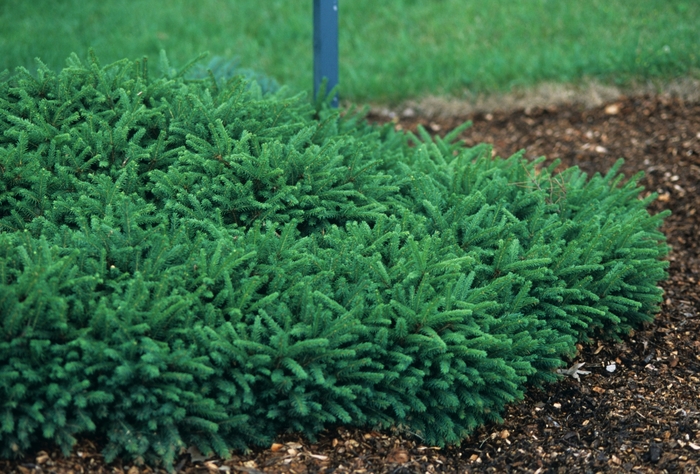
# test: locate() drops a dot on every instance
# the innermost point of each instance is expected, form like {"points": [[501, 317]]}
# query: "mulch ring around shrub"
{"points": [[639, 408]]}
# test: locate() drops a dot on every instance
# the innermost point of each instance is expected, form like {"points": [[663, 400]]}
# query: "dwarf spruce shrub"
{"points": [[193, 262]]}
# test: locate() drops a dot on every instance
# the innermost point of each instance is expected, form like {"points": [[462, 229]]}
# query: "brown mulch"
{"points": [[638, 410]]}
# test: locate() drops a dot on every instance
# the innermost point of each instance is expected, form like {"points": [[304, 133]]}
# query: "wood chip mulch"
{"points": [[639, 408]]}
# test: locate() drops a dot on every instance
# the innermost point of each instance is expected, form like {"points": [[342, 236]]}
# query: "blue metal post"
{"points": [[326, 45]]}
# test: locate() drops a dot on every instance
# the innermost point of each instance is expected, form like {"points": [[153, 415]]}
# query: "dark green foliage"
{"points": [[191, 262]]}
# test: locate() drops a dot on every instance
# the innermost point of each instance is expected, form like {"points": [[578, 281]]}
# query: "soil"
{"points": [[639, 408]]}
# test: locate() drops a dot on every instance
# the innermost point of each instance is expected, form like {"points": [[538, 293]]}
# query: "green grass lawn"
{"points": [[390, 50]]}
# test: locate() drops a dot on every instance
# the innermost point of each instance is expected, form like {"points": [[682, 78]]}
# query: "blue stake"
{"points": [[326, 46]]}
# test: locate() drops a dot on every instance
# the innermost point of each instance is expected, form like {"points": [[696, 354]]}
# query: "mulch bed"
{"points": [[639, 408]]}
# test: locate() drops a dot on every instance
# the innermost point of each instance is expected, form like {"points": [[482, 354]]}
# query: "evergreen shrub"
{"points": [[192, 262]]}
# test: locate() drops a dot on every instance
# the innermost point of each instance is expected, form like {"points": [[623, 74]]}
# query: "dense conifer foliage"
{"points": [[197, 262]]}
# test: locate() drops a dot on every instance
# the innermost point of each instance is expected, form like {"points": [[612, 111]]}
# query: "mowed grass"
{"points": [[390, 50]]}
